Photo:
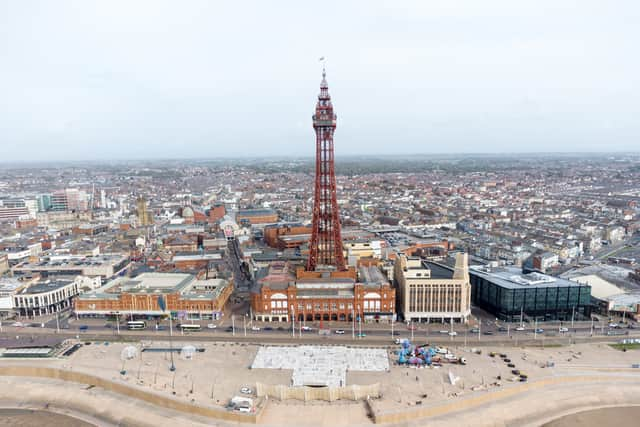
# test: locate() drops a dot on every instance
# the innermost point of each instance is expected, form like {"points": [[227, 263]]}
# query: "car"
{"points": [[161, 328], [305, 328], [268, 328], [17, 324], [340, 332], [108, 325], [453, 333], [245, 390], [211, 326], [520, 328], [539, 331], [443, 332], [255, 328], [488, 332], [395, 333], [280, 328], [412, 327], [502, 329], [229, 329], [361, 335], [83, 327], [474, 330], [614, 325], [563, 329]]}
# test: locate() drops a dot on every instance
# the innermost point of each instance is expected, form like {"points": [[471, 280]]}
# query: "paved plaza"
{"points": [[321, 365]]}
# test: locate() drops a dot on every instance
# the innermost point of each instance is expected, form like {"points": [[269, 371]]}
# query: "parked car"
{"points": [[488, 333], [520, 328], [539, 331], [443, 332], [255, 328], [563, 329], [268, 328], [474, 330], [305, 328], [211, 326], [453, 333], [340, 332]]}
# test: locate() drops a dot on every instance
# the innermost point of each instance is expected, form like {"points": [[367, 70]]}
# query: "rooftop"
{"points": [[513, 278]]}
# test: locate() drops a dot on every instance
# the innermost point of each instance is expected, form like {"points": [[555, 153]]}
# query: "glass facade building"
{"points": [[507, 292]]}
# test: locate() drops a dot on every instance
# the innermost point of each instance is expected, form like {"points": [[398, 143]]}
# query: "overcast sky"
{"points": [[146, 79]]}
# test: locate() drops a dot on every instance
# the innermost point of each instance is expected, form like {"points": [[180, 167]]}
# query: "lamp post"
{"points": [[293, 320], [173, 366], [353, 323]]}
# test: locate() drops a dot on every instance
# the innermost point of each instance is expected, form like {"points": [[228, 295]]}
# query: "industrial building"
{"points": [[508, 293], [432, 292]]}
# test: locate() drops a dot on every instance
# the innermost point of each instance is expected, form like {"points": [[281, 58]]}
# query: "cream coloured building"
{"points": [[432, 292]]}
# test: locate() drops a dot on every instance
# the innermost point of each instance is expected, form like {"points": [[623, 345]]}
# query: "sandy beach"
{"points": [[28, 418], [620, 417]]}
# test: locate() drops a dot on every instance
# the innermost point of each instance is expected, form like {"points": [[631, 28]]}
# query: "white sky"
{"points": [[144, 79]]}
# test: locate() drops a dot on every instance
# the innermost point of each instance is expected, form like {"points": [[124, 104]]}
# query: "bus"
{"points": [[189, 328], [133, 325]]}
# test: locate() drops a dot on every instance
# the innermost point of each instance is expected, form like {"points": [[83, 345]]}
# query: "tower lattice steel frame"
{"points": [[326, 240]]}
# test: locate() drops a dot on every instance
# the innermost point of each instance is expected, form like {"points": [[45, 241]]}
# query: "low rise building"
{"points": [[510, 294], [46, 297], [256, 216], [283, 294], [185, 297], [71, 265]]}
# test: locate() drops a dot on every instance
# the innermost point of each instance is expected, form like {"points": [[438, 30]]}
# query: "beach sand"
{"points": [[28, 418], [619, 417]]}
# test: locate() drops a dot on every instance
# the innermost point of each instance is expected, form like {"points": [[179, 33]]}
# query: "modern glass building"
{"points": [[507, 292]]}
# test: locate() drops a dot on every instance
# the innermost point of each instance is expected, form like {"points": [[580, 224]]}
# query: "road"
{"points": [[97, 329]]}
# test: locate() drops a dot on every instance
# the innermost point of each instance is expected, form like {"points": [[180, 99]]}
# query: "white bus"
{"points": [[133, 325], [189, 328]]}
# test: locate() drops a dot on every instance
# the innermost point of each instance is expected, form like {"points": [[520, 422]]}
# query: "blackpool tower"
{"points": [[325, 252]]}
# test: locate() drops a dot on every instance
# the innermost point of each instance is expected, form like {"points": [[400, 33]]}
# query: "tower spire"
{"points": [[325, 251]]}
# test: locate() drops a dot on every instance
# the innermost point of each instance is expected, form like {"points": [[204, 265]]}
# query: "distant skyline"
{"points": [[114, 80]]}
